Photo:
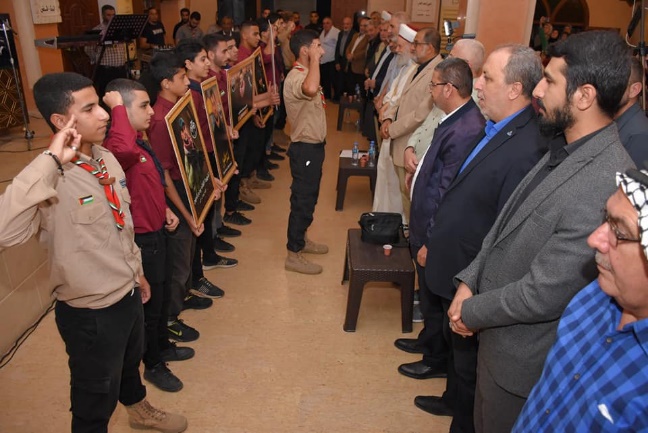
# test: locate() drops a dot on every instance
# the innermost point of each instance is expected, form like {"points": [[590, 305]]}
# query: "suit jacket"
{"points": [[451, 143], [357, 64], [536, 258], [414, 106], [341, 59], [633, 132], [476, 196]]}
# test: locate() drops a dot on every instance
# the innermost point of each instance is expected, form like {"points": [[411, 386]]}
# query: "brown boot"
{"points": [[256, 183], [246, 194], [313, 248], [143, 416], [296, 262]]}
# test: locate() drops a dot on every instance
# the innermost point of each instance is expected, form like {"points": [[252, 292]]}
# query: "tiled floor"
{"points": [[272, 356]]}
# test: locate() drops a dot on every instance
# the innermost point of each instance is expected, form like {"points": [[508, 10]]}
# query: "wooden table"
{"points": [[345, 170], [345, 104], [366, 262]]}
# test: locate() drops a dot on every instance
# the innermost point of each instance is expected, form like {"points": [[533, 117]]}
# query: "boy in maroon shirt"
{"points": [[168, 74], [131, 114]]}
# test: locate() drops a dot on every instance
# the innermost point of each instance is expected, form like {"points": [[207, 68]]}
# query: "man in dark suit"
{"points": [[497, 162], [631, 118], [376, 71], [340, 56], [535, 257]]}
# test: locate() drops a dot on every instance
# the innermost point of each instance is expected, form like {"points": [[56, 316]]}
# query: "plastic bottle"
{"points": [[355, 154], [372, 154], [358, 94]]}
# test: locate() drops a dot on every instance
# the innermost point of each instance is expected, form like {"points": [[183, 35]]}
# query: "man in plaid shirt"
{"points": [[595, 378]]}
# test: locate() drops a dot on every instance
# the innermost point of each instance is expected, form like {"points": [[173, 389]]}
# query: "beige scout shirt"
{"points": [[305, 114], [92, 263]]}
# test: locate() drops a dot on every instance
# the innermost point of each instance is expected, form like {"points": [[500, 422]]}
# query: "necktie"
{"points": [[107, 182], [158, 165]]}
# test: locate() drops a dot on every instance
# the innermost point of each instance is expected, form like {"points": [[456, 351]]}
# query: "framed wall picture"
{"points": [[189, 147], [218, 130], [261, 83], [240, 91]]}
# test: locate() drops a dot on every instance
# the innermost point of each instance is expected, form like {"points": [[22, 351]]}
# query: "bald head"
{"points": [[472, 51]]}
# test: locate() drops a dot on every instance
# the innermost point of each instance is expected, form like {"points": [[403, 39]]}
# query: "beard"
{"points": [[561, 119]]}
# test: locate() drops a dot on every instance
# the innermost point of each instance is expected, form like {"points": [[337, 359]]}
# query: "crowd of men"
{"points": [[527, 216]]}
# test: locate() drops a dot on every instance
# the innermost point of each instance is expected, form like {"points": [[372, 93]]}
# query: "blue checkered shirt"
{"points": [[595, 378]]}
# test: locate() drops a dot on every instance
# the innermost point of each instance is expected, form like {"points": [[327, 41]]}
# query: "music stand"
{"points": [[122, 29]]}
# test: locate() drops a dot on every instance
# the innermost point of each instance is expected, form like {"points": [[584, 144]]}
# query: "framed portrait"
{"points": [[240, 91], [218, 130], [189, 147], [261, 82]]}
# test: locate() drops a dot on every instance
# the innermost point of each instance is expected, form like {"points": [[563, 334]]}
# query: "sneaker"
{"points": [[417, 315], [228, 232], [312, 248], [218, 262], [175, 353], [271, 165], [246, 194], [163, 378], [143, 416], [223, 246], [296, 262], [264, 175], [278, 149], [274, 156], [179, 331], [195, 303], [205, 289], [236, 218], [242, 206], [256, 183]]}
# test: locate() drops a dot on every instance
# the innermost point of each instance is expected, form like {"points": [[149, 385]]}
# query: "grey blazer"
{"points": [[534, 261]]}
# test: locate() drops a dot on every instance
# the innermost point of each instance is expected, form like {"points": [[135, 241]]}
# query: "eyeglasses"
{"points": [[417, 43], [432, 85], [618, 234]]}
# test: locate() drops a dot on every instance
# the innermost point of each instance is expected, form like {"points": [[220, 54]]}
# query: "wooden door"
{"points": [[78, 16]]}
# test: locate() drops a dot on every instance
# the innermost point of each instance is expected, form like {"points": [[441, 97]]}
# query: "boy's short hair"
{"points": [[53, 93]]}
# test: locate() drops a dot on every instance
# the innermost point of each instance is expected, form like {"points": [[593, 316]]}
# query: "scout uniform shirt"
{"points": [[93, 264], [305, 114]]}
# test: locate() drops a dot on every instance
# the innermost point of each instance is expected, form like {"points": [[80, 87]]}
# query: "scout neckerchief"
{"points": [[300, 68], [107, 182]]}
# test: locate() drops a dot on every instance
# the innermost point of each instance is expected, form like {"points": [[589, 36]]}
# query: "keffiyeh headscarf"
{"points": [[634, 184]]}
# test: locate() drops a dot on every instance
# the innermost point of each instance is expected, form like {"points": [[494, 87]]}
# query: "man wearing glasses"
{"points": [[535, 257], [595, 377]]}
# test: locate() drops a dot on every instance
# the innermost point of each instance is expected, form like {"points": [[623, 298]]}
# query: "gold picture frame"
{"points": [[240, 92], [261, 83]]}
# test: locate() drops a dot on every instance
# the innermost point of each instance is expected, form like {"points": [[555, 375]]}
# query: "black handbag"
{"points": [[382, 228]]}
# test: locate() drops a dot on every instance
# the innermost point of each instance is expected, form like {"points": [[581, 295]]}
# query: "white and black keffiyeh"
{"points": [[634, 184]]}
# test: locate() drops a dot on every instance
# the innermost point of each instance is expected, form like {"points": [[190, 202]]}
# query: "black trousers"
{"points": [[255, 147], [327, 78], [104, 348], [205, 242], [339, 84], [153, 248], [306, 162], [233, 187], [431, 337]]}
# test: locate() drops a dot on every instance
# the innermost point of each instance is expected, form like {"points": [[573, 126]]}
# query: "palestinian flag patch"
{"points": [[86, 200]]}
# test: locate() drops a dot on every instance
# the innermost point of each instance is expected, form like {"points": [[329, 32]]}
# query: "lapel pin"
{"points": [[510, 133]]}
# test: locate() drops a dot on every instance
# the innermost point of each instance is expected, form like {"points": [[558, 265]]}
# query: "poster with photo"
{"points": [[224, 151], [191, 153], [240, 92], [261, 82]]}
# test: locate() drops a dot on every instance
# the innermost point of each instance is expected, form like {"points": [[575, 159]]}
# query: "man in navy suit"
{"points": [[497, 162], [631, 118]]}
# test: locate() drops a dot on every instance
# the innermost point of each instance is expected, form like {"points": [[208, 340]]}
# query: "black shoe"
{"points": [[274, 156], [218, 262], [409, 345], [433, 404], [161, 377], [418, 370], [278, 149], [223, 246], [264, 175], [236, 218], [243, 206], [179, 331], [192, 302], [205, 289], [228, 232], [271, 165], [175, 353]]}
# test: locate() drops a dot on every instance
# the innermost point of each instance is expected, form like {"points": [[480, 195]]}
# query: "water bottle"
{"points": [[358, 94], [355, 154], [372, 154]]}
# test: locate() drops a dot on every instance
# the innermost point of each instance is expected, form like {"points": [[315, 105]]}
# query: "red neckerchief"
{"points": [[300, 68]]}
